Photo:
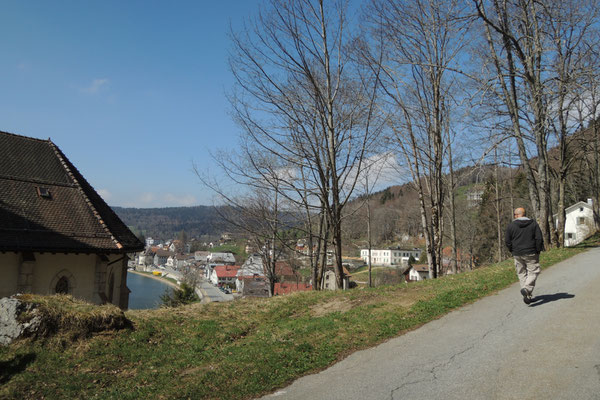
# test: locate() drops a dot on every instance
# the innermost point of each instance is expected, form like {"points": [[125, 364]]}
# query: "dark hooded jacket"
{"points": [[523, 237]]}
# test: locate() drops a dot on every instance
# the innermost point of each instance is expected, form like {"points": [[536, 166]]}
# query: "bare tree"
{"points": [[299, 98], [571, 26], [534, 50], [421, 42]]}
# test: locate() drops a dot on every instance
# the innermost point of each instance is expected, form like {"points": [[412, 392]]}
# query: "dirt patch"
{"points": [[405, 300], [335, 305]]}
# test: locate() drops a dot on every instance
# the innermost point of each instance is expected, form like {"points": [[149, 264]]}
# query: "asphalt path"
{"points": [[496, 348], [211, 293]]}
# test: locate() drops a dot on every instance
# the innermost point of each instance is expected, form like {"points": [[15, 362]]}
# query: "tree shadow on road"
{"points": [[547, 298]]}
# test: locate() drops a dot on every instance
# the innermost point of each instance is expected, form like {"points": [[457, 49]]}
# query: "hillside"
{"points": [[394, 213], [166, 223]]}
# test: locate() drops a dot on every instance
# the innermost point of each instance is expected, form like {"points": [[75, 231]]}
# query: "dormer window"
{"points": [[44, 192]]}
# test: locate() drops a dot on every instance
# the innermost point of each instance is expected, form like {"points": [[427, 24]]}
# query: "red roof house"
{"points": [[224, 275], [286, 288]]}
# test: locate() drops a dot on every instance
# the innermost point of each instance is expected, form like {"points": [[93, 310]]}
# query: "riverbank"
{"points": [[155, 277]]}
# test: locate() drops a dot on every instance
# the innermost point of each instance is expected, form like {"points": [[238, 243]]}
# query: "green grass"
{"points": [[238, 249], [362, 273], [241, 349]]}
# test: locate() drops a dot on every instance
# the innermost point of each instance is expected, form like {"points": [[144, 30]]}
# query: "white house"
{"points": [[418, 272], [579, 222], [224, 275], [171, 261], [392, 256], [252, 268]]}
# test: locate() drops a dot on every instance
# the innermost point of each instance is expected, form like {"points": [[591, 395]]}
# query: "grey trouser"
{"points": [[528, 269]]}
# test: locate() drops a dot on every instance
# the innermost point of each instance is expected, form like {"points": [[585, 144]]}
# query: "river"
{"points": [[145, 291]]}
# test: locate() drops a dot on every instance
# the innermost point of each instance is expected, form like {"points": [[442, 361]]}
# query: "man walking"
{"points": [[524, 240]]}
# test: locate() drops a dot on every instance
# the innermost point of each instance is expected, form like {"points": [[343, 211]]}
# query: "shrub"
{"points": [[178, 297]]}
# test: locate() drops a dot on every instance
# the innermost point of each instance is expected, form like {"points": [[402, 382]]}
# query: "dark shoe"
{"points": [[526, 296]]}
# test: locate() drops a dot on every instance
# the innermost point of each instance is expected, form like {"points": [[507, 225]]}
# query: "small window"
{"points": [[569, 236], [581, 209], [44, 192], [580, 220]]}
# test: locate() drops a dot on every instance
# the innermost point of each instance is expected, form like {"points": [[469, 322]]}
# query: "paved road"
{"points": [[210, 293], [497, 348]]}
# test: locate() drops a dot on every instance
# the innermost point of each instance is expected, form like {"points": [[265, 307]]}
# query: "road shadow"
{"points": [[547, 298], [15, 366]]}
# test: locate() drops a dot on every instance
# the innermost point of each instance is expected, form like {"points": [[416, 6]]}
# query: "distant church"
{"points": [[57, 235]]}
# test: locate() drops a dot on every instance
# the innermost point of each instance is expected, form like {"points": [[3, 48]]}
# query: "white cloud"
{"points": [[105, 194], [382, 170], [147, 198], [152, 200], [181, 201], [95, 86]]}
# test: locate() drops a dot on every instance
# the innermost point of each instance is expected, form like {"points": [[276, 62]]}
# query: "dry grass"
{"points": [[64, 318]]}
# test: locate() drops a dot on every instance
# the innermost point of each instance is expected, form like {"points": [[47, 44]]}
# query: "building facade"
{"points": [[57, 235], [390, 257], [579, 223]]}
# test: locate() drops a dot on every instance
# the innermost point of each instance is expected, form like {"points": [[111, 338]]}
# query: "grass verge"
{"points": [[242, 349]]}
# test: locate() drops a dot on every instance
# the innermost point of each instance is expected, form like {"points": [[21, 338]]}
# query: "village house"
{"points": [[201, 256], [221, 258], [417, 272], [161, 256], [225, 238], [146, 258], [57, 235], [288, 287], [330, 282], [224, 275], [171, 261], [475, 195], [579, 223], [285, 272], [252, 268], [183, 260], [394, 256]]}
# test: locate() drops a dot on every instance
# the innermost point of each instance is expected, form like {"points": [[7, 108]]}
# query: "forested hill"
{"points": [[166, 223]]}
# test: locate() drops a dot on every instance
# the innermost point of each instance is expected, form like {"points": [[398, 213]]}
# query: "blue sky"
{"points": [[131, 91]]}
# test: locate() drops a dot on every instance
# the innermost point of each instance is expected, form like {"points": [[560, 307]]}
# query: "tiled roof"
{"points": [[226, 271], [164, 253], [73, 218], [421, 267]]}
